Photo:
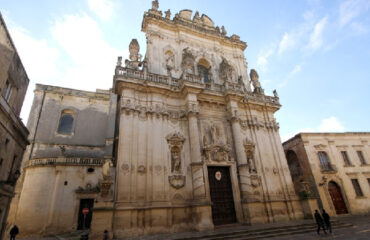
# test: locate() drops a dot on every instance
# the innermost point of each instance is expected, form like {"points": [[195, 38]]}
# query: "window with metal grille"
{"points": [[346, 160], [357, 187], [361, 157], [324, 161]]}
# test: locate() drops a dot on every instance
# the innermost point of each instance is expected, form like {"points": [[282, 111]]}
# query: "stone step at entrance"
{"points": [[238, 232], [264, 233]]}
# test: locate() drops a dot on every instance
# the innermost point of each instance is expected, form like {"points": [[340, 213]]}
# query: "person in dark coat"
{"points": [[106, 235], [326, 218], [13, 232], [319, 222]]}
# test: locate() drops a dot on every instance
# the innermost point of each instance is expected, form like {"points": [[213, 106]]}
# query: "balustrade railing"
{"points": [[65, 161]]}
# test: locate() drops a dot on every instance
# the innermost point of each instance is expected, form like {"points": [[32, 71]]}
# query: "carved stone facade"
{"points": [[184, 109]]}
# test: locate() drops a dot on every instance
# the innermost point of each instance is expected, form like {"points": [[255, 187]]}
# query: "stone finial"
{"points": [[196, 17], [275, 93], [155, 5], [223, 31], [255, 82], [168, 14], [119, 61], [134, 49]]}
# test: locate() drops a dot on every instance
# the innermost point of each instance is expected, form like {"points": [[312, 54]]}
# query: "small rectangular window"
{"points": [[357, 187], [345, 158], [361, 157], [8, 91]]}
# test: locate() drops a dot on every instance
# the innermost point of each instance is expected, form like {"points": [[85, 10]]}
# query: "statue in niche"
{"points": [[213, 131], [226, 71], [155, 5], [168, 14], [250, 161], [175, 160], [255, 82], [170, 60], [187, 63]]}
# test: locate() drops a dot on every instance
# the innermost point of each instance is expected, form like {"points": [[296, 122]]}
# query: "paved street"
{"points": [[359, 231]]}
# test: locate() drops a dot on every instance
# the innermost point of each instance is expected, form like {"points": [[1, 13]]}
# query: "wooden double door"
{"points": [[337, 198], [223, 209]]}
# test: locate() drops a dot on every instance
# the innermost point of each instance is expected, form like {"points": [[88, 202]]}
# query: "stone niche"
{"points": [[175, 143]]}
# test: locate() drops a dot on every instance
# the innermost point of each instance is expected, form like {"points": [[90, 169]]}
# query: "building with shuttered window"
{"points": [[336, 167]]}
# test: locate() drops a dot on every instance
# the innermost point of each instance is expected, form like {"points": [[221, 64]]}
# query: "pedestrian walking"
{"points": [[319, 222], [106, 235], [326, 218], [13, 232]]}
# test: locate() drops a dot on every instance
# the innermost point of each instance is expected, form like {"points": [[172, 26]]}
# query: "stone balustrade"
{"points": [[65, 161], [192, 78]]}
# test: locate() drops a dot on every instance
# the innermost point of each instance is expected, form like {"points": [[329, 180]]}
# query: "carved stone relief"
{"points": [[216, 150]]}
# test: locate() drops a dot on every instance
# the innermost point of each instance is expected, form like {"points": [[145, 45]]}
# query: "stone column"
{"points": [[242, 163], [202, 211], [196, 159]]}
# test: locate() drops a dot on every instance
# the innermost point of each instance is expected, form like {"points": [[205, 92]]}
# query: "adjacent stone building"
{"points": [[184, 140], [13, 133], [335, 167]]}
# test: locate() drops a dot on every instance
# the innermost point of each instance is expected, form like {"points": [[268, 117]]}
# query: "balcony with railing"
{"points": [[328, 167]]}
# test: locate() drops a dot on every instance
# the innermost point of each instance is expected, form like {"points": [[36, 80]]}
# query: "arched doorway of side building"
{"points": [[337, 198]]}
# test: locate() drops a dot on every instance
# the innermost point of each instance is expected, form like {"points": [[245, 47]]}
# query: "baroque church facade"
{"points": [[184, 140]]}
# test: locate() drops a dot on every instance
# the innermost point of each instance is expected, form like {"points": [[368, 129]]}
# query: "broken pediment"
{"points": [[186, 14]]}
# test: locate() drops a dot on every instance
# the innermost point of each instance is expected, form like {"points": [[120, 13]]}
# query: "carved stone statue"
{"points": [[223, 31], [213, 131], [275, 93], [106, 169], [255, 82], [119, 61], [187, 63], [170, 61], [135, 56], [175, 160], [168, 14], [155, 5], [226, 72], [250, 161]]}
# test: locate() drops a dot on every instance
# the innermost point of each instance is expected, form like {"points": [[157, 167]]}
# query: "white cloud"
{"points": [[331, 124], [359, 28], [295, 70], [287, 42], [262, 59], [316, 40], [39, 59], [351, 9], [102, 8], [92, 58]]}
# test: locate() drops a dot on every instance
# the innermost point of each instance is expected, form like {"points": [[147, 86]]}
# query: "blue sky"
{"points": [[316, 53]]}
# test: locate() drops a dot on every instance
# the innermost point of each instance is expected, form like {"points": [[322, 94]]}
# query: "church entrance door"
{"points": [[337, 198], [223, 210], [85, 214]]}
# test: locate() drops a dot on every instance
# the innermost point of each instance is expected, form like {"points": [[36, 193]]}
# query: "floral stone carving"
{"points": [[177, 181]]}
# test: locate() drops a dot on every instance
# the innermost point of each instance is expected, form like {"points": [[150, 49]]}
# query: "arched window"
{"points": [[204, 70], [66, 122]]}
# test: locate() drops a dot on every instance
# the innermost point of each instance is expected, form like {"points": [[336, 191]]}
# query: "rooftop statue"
{"points": [[155, 5], [255, 81], [135, 56]]}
